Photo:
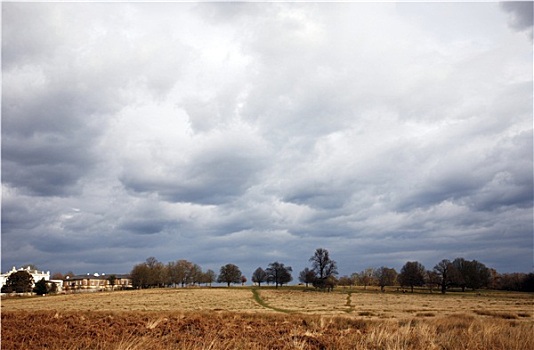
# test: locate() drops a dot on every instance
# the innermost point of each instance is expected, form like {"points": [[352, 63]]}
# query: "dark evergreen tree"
{"points": [[18, 282], [41, 287]]}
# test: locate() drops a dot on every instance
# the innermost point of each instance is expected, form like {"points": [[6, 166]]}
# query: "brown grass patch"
{"points": [[505, 315], [365, 313], [227, 330], [308, 302]]}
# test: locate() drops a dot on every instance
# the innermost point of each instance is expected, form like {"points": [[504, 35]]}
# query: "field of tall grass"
{"points": [[245, 318]]}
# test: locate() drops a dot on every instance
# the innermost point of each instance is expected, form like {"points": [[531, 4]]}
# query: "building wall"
{"points": [[94, 283]]}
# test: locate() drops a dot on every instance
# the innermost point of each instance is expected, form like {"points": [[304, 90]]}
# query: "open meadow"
{"points": [[267, 318]]}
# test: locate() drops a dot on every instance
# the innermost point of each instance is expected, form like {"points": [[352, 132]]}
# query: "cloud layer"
{"points": [[249, 133]]}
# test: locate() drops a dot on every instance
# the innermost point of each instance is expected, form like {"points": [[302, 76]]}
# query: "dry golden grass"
{"points": [[241, 318], [183, 299], [305, 302], [399, 305]]}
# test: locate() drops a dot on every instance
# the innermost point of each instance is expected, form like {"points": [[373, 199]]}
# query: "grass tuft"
{"points": [[497, 314], [366, 313]]}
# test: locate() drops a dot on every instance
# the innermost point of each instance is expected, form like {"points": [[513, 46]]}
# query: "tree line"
{"points": [[153, 273], [459, 273], [322, 274]]}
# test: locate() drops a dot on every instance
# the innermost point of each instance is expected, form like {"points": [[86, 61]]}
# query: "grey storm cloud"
{"points": [[257, 132], [521, 14]]}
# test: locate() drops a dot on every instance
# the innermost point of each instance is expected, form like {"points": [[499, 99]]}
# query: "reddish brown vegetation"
{"points": [[226, 330], [24, 330]]}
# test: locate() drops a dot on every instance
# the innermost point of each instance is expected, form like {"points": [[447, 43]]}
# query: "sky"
{"points": [[249, 133]]}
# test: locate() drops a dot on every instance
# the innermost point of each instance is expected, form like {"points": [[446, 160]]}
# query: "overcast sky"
{"points": [[249, 133]]}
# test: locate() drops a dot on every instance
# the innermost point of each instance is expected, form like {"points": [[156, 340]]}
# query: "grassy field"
{"points": [[265, 318]]}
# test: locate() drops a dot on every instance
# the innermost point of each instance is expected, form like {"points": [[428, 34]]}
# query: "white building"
{"points": [[36, 274]]}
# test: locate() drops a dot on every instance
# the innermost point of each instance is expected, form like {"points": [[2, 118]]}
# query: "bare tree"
{"points": [[180, 272], [229, 273], [460, 271], [157, 273], [366, 277], [259, 276], [195, 274], [57, 276], [346, 281], [140, 276], [323, 267], [151, 273], [385, 277], [279, 274], [445, 272], [307, 276], [476, 275], [209, 277], [432, 279], [412, 274]]}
